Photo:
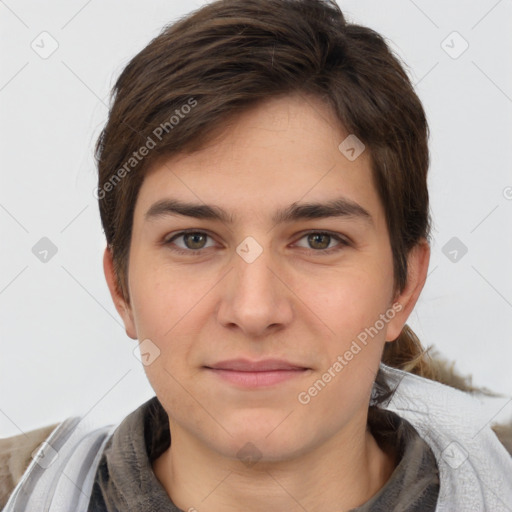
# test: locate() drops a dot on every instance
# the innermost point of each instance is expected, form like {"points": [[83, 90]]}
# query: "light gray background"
{"points": [[63, 348]]}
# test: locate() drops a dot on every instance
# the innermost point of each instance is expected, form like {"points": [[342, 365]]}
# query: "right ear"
{"points": [[123, 308]]}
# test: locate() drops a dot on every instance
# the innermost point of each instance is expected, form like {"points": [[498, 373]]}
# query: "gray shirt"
{"points": [[125, 481]]}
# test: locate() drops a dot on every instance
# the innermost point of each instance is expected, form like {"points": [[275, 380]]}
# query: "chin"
{"points": [[251, 451], [255, 437]]}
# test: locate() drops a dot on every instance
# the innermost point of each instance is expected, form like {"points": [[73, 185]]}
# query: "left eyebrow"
{"points": [[339, 207]]}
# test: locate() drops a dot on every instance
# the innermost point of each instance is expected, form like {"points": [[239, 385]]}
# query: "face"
{"points": [[269, 281]]}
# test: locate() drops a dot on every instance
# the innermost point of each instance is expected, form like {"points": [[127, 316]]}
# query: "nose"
{"points": [[256, 297]]}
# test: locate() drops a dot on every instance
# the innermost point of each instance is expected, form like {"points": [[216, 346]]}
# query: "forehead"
{"points": [[281, 151]]}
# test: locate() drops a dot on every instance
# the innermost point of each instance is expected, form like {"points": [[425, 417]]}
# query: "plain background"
{"points": [[64, 350]]}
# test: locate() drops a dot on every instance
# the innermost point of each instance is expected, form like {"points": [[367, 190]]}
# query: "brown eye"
{"points": [[320, 242], [191, 242], [194, 240]]}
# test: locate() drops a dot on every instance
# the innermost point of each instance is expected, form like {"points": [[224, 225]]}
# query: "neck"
{"points": [[342, 473]]}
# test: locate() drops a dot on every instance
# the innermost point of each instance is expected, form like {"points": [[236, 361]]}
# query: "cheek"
{"points": [[170, 307], [351, 307], [350, 300], [163, 298], [165, 309]]}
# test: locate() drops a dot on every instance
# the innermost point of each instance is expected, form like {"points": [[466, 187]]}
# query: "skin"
{"points": [[293, 302]]}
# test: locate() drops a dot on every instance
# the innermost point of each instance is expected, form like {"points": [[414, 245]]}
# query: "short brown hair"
{"points": [[232, 54]]}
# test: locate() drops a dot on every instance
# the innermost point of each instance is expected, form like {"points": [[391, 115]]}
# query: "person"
{"points": [[263, 192]]}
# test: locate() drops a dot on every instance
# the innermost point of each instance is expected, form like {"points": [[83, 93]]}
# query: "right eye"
{"points": [[193, 242]]}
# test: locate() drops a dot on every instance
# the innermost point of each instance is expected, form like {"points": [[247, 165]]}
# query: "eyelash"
{"points": [[343, 242]]}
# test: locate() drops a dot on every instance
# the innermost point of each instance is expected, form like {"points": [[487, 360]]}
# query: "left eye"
{"points": [[322, 241]]}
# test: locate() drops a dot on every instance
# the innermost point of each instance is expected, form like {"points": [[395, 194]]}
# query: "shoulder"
{"points": [[15, 456], [446, 381], [446, 374]]}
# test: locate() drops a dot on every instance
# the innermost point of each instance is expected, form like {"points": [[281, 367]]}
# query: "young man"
{"points": [[262, 187]]}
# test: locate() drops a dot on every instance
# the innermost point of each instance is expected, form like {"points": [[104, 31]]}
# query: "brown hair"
{"points": [[174, 95]]}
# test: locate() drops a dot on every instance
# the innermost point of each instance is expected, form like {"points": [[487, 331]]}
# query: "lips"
{"points": [[267, 365], [256, 374]]}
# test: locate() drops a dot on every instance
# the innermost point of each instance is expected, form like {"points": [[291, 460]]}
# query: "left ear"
{"points": [[417, 268]]}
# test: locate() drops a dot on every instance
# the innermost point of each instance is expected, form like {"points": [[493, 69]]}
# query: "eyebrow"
{"points": [[339, 207]]}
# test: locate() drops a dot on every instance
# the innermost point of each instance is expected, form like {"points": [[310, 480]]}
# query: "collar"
{"points": [[125, 479]]}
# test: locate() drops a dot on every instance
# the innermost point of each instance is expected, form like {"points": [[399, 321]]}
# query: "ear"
{"points": [[417, 267], [123, 307]]}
